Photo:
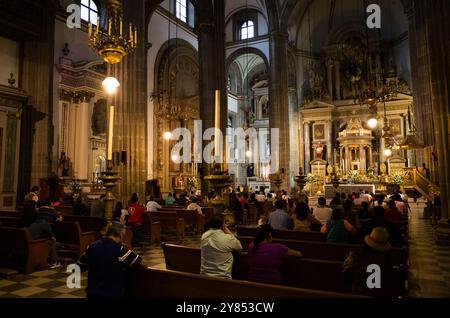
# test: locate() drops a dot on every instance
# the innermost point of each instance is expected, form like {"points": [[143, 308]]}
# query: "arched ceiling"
{"points": [[233, 6], [247, 62], [325, 17]]}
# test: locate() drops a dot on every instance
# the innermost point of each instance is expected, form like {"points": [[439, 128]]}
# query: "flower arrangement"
{"points": [[354, 177], [75, 187], [398, 177], [193, 183], [310, 179]]}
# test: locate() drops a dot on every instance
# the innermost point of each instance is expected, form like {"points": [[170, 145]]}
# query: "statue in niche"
{"points": [[98, 119], [63, 165], [319, 151], [179, 182]]}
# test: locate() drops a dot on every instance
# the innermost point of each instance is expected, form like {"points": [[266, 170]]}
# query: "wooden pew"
{"points": [[12, 214], [296, 272], [170, 220], [329, 251], [19, 250], [11, 221], [208, 212], [151, 228], [154, 283], [87, 223], [191, 218], [69, 234], [283, 234]]}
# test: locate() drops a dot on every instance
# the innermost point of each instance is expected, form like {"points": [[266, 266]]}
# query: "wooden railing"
{"points": [[414, 179]]}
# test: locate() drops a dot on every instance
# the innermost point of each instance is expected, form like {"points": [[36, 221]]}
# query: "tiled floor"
{"points": [[429, 274]]}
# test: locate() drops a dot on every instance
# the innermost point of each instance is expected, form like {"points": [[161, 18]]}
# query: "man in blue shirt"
{"points": [[107, 260], [279, 219]]}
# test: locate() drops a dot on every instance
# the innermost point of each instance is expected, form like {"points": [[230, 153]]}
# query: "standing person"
{"points": [[321, 212], [279, 219], [266, 258], [217, 246], [135, 211], [152, 205], [106, 261], [374, 251], [98, 207]]}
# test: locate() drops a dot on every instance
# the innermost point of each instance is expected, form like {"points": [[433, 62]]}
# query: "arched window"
{"points": [[247, 30], [89, 11]]}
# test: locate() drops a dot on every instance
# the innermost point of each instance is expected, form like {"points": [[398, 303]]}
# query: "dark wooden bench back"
{"points": [[18, 250], [296, 272], [167, 219], [87, 223], [154, 283], [283, 234], [329, 251], [11, 221], [12, 214]]}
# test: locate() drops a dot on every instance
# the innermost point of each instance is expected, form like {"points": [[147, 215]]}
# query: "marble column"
{"points": [[337, 70], [362, 158], [307, 141], [370, 163], [329, 135], [330, 65], [279, 106], [82, 143]]}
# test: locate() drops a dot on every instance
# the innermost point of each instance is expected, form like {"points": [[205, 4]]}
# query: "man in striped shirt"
{"points": [[106, 261]]}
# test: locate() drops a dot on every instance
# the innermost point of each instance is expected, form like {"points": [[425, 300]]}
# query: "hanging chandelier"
{"points": [[110, 41]]}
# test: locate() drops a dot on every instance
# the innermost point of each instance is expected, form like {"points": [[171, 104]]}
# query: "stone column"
{"points": [[337, 83], [279, 108], [330, 77], [362, 158], [307, 141], [341, 158], [293, 136], [329, 135], [370, 157], [82, 143]]}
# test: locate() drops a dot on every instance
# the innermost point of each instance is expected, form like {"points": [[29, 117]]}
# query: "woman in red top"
{"points": [[392, 213], [135, 212]]}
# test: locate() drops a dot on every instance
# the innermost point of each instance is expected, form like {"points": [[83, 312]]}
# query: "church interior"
{"points": [[324, 105]]}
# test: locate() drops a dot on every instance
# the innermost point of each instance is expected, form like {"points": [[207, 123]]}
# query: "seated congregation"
{"points": [[278, 248]]}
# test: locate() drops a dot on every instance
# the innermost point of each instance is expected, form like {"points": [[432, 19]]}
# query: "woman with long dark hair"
{"points": [[303, 218], [266, 258]]}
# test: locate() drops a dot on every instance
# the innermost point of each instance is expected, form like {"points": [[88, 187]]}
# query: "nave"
{"points": [[428, 275]]}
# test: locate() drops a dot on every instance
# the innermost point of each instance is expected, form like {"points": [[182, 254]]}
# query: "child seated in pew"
{"points": [[337, 229], [265, 258]]}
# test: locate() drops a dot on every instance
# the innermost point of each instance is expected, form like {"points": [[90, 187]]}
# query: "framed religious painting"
{"points": [[396, 125], [319, 132]]}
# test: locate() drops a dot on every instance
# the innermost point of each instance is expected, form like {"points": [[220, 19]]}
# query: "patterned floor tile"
{"points": [[29, 291]]}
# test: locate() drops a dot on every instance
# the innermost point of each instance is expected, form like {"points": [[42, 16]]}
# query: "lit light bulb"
{"points": [[248, 153], [110, 84], [387, 152], [373, 122], [174, 158], [167, 135]]}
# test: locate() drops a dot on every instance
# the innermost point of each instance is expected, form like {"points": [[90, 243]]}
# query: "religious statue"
{"points": [[179, 182], [63, 165], [319, 151], [99, 118]]}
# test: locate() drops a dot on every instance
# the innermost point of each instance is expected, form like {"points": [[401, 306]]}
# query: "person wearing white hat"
{"points": [[375, 251]]}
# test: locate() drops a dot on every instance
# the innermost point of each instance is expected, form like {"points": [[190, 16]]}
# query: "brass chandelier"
{"points": [[110, 41]]}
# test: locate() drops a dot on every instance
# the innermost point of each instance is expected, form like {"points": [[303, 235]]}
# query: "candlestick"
{"points": [[109, 27], [110, 132], [135, 36], [98, 25], [217, 124], [90, 30], [121, 26]]}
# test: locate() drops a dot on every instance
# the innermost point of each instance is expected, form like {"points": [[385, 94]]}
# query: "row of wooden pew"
{"points": [[308, 273]]}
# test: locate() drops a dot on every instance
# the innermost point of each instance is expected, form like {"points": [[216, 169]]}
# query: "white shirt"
{"points": [[216, 249], [195, 206], [260, 197], [322, 214], [152, 206]]}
